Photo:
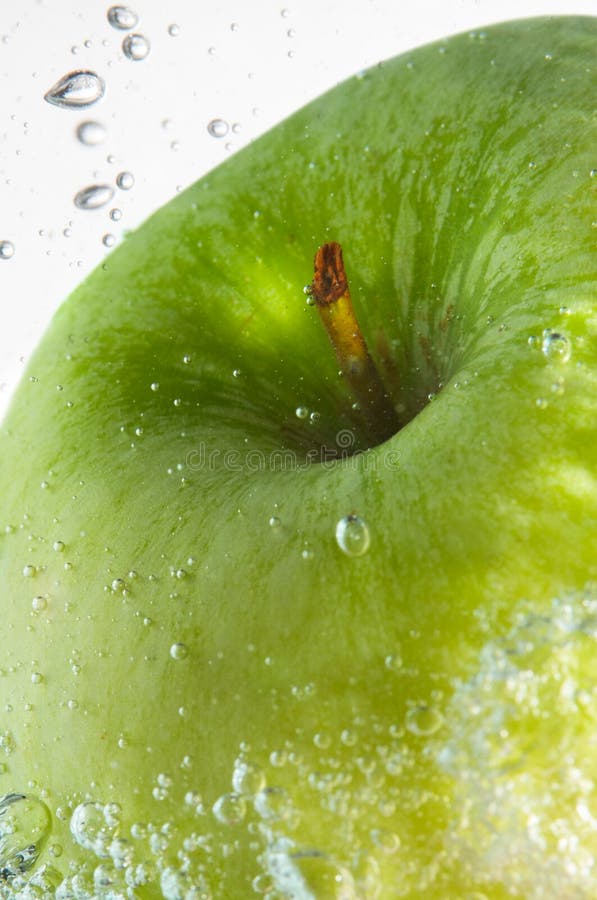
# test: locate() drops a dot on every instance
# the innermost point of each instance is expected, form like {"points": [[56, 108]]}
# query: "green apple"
{"points": [[251, 642]]}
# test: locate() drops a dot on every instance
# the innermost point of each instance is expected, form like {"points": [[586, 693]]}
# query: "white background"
{"points": [[249, 62]]}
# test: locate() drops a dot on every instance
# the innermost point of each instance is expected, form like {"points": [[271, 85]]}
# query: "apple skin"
{"points": [[421, 716]]}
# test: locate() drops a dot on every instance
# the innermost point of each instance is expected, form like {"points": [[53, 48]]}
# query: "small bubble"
{"points": [[36, 678], [352, 535], [230, 809], [76, 90], [116, 214], [58, 546], [247, 778], [273, 803], [423, 720], [125, 181], [301, 412], [173, 30], [136, 47], [91, 133], [29, 571], [387, 841], [218, 128], [314, 418], [393, 662], [555, 346], [94, 196], [274, 522], [108, 240], [38, 604], [7, 250], [179, 651], [122, 17], [155, 386]]}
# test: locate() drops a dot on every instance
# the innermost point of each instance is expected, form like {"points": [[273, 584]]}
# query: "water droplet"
{"points": [[7, 250], [179, 651], [25, 825], [352, 535], [247, 778], [122, 17], [218, 128], [424, 720], [76, 90], [94, 197], [555, 346], [91, 133], [135, 47], [125, 181], [230, 809], [301, 412]]}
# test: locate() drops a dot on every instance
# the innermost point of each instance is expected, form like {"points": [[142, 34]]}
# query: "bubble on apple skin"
{"points": [[122, 17], [94, 196], [424, 720], [93, 826], [91, 133], [247, 778], [179, 651], [76, 90], [309, 875], [352, 535], [230, 809], [7, 250], [25, 826], [555, 346], [136, 47]]}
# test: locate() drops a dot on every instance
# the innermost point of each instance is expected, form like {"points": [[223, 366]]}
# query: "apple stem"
{"points": [[331, 293]]}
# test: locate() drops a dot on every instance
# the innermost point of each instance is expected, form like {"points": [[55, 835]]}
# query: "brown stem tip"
{"points": [[332, 296]]}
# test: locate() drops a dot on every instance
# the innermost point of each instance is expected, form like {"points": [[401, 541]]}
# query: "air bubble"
{"points": [[247, 778], [273, 804], [352, 535], [25, 825], [94, 197], [424, 720], [122, 17], [125, 181], [91, 133], [108, 240], [7, 250], [555, 346], [116, 214], [173, 30], [90, 829], [218, 128], [136, 47], [179, 651], [76, 90], [230, 809], [301, 412]]}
